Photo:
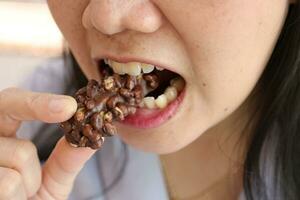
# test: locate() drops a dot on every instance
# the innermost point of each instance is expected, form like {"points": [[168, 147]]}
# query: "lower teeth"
{"points": [[149, 102], [150, 83], [161, 101], [170, 94]]}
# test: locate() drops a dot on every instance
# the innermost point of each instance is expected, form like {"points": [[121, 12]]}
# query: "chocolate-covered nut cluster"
{"points": [[102, 103]]}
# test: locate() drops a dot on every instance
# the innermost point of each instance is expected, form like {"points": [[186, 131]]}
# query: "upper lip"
{"points": [[126, 59]]}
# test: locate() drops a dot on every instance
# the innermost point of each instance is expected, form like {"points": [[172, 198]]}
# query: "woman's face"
{"points": [[219, 47]]}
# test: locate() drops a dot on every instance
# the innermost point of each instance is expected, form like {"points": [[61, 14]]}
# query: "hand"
{"points": [[21, 175]]}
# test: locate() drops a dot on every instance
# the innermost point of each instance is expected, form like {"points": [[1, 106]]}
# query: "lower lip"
{"points": [[151, 118]]}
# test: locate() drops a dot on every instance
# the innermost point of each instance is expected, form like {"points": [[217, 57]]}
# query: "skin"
{"points": [[221, 52], [220, 47]]}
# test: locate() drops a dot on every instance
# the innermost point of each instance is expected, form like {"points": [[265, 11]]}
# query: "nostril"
{"points": [[112, 17], [110, 27], [146, 24], [143, 17]]}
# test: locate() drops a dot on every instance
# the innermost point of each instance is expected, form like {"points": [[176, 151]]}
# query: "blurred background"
{"points": [[28, 37]]}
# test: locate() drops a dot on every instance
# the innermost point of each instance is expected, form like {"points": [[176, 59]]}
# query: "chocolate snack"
{"points": [[102, 103]]}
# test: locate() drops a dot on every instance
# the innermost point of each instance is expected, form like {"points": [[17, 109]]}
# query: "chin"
{"points": [[155, 142]]}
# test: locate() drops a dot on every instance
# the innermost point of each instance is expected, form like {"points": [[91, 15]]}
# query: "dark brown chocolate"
{"points": [[102, 103]]}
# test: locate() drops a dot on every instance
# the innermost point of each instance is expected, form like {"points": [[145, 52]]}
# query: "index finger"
{"points": [[61, 169], [20, 105]]}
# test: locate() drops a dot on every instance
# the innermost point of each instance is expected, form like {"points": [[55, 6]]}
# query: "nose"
{"points": [[114, 16]]}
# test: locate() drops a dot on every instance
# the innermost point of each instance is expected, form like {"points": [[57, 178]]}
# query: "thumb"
{"points": [[60, 170]]}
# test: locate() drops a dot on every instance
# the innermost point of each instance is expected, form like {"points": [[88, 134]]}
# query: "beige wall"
{"points": [[28, 36]]}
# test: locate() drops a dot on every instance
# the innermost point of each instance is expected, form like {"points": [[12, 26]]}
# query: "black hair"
{"points": [[272, 165]]}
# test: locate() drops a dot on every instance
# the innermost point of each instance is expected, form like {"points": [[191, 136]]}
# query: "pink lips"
{"points": [[151, 118]]}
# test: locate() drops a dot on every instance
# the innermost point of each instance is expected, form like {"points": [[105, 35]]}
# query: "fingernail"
{"points": [[57, 104]]}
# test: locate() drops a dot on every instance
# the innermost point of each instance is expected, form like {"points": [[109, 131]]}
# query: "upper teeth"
{"points": [[159, 68], [131, 68], [147, 68], [135, 69]]}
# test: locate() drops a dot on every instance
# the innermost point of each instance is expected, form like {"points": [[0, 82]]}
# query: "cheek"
{"points": [[235, 50], [68, 16], [228, 42]]}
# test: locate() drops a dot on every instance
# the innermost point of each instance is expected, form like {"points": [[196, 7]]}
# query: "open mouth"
{"points": [[170, 84], [162, 95]]}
